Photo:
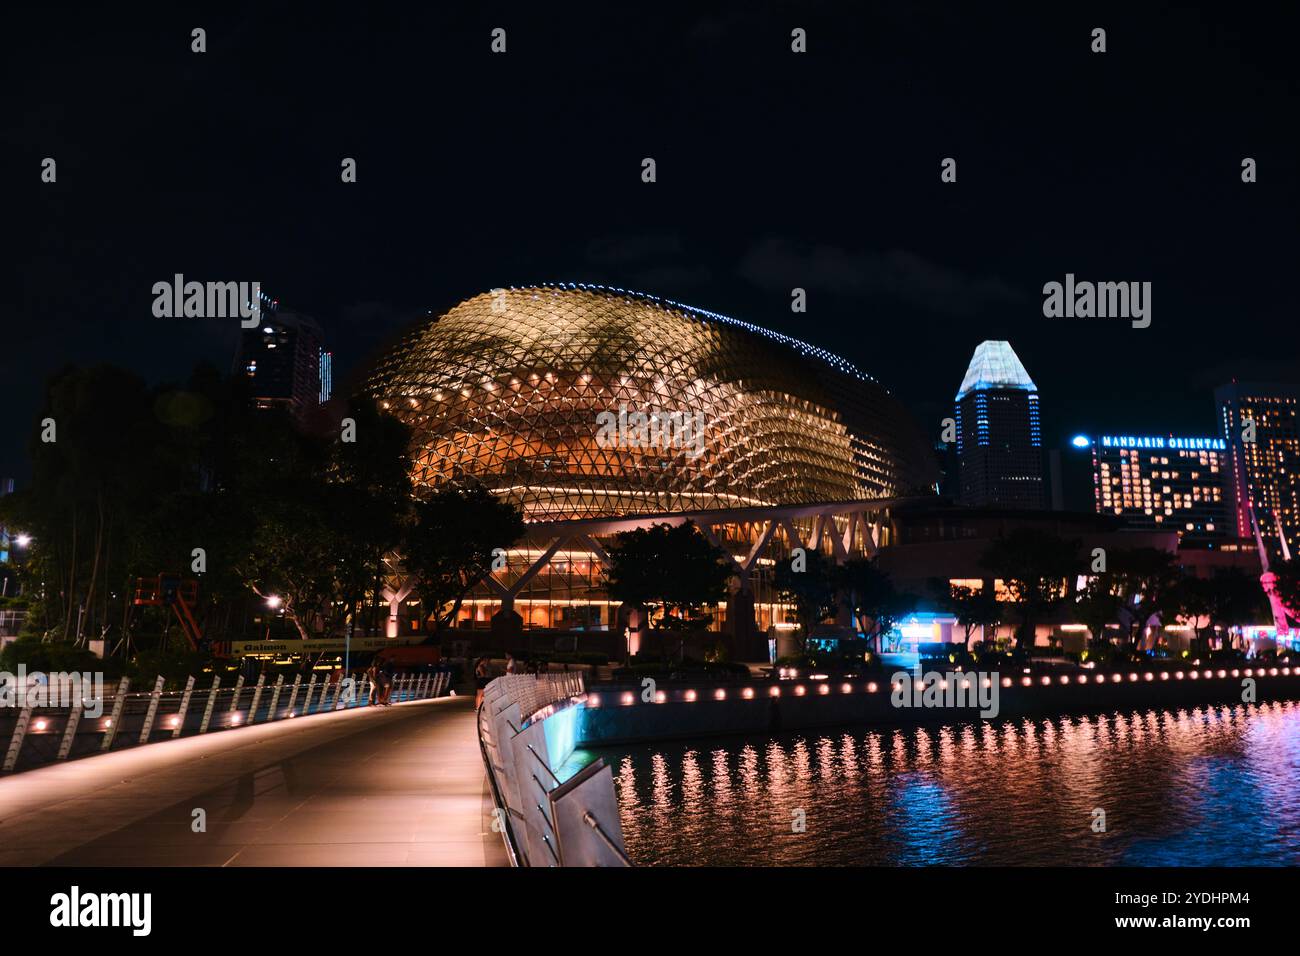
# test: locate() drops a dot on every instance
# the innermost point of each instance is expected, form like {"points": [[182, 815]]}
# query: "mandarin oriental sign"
{"points": [[1156, 441]]}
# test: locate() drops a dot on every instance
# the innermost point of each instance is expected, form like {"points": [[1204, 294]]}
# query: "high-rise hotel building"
{"points": [[1264, 473], [1164, 483], [285, 361], [999, 435]]}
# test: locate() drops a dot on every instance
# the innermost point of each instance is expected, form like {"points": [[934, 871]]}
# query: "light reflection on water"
{"points": [[1202, 786]]}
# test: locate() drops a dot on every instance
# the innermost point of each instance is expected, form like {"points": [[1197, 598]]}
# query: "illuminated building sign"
{"points": [[1156, 441], [1163, 483]]}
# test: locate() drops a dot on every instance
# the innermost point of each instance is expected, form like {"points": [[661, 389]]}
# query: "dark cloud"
{"points": [[898, 274]]}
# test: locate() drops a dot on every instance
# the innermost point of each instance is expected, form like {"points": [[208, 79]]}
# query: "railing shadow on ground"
{"points": [[40, 735], [546, 821]]}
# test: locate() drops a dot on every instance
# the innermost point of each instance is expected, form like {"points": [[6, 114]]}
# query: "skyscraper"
{"points": [[285, 361], [1164, 483], [1261, 424], [999, 437]]}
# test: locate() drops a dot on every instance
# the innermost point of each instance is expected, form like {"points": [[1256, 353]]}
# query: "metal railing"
{"points": [[545, 821], [46, 734]]}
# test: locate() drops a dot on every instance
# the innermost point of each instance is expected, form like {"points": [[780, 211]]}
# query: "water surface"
{"points": [[1201, 786]]}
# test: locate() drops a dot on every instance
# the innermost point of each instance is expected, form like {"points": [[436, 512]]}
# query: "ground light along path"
{"points": [[399, 786]]}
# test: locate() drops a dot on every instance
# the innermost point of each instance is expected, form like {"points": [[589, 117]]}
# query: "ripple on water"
{"points": [[1206, 786]]}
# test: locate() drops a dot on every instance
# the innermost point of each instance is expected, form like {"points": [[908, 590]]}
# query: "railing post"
{"points": [[293, 697], [311, 689], [153, 709], [275, 696], [70, 729], [212, 702], [16, 741], [185, 706], [257, 697], [118, 704], [239, 687]]}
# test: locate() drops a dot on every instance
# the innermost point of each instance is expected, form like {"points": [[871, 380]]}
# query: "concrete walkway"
{"points": [[397, 786]]}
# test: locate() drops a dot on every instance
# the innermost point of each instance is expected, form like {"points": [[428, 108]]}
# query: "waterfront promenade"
{"points": [[399, 786]]}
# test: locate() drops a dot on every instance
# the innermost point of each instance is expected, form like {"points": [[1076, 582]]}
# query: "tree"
{"points": [[811, 585], [1235, 598], [672, 569], [1195, 601], [1098, 604], [1035, 568], [289, 558], [447, 547], [1149, 580], [873, 600], [102, 460], [972, 607], [131, 481], [275, 484], [368, 496]]}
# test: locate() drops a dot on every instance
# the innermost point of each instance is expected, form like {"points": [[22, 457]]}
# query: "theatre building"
{"points": [[789, 446]]}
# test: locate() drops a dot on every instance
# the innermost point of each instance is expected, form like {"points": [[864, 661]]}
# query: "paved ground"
{"points": [[398, 786]]}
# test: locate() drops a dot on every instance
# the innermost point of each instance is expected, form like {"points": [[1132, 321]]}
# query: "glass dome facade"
{"points": [[584, 402]]}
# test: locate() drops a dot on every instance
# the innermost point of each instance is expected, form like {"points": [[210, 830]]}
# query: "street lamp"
{"points": [[20, 540], [273, 601]]}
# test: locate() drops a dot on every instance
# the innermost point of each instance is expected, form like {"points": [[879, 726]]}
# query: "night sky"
{"points": [[775, 170]]}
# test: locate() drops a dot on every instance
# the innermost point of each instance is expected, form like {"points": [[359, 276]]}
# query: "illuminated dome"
{"points": [[535, 391]]}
